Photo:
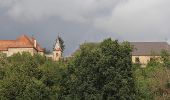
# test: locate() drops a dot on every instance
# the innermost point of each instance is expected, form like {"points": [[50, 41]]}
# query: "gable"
{"points": [[21, 42]]}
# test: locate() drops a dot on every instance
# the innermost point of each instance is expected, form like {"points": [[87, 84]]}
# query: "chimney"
{"points": [[35, 43]]}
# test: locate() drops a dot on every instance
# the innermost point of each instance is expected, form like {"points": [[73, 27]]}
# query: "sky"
{"points": [[80, 21]]}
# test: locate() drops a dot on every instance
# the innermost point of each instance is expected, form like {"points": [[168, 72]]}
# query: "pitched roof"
{"points": [[21, 42], [146, 48], [140, 48]]}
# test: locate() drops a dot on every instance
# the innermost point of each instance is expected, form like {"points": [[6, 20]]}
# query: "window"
{"points": [[151, 59], [137, 60]]}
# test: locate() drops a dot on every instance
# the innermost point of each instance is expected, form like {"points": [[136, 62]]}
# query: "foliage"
{"points": [[165, 58], [101, 72], [29, 77], [153, 81], [154, 62], [142, 81], [3, 63]]}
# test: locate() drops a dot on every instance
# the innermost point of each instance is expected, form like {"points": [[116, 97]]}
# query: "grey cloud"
{"points": [[85, 20], [46, 31], [138, 17], [76, 10]]}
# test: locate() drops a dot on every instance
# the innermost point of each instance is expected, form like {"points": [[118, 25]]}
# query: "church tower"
{"points": [[57, 52]]}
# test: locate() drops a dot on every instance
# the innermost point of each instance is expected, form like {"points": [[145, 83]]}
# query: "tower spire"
{"points": [[57, 52], [57, 44]]}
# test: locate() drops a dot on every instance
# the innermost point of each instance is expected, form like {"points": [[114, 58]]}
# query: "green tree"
{"points": [[165, 58], [3, 64], [29, 77], [102, 72]]}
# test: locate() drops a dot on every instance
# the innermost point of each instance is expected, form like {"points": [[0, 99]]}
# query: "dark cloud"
{"points": [[85, 20], [46, 32]]}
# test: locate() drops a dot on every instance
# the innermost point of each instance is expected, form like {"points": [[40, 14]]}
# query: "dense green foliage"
{"points": [[26, 77], [96, 72], [153, 81], [165, 58], [101, 72]]}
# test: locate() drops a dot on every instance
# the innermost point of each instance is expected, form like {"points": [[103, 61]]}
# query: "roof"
{"points": [[21, 42], [146, 48], [140, 48]]}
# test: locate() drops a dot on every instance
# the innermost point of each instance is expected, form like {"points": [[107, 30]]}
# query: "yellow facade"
{"points": [[12, 51], [143, 59], [21, 44], [57, 55]]}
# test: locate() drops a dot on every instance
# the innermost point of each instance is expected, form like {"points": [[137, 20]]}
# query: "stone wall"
{"points": [[12, 51]]}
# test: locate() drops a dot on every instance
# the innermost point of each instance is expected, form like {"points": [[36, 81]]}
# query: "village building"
{"points": [[21, 44], [56, 55], [143, 52], [28, 44]]}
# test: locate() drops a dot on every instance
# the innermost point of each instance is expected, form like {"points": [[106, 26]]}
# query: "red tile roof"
{"points": [[22, 42]]}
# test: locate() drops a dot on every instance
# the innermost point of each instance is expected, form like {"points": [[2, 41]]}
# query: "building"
{"points": [[143, 52], [56, 55], [21, 44], [28, 44]]}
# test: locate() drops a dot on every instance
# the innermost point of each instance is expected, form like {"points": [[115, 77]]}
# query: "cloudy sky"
{"points": [[85, 20]]}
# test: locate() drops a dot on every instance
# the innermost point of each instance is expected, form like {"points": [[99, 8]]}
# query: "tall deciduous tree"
{"points": [[102, 72]]}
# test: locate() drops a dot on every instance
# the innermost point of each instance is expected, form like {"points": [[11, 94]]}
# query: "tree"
{"points": [[165, 58], [102, 72], [46, 51], [61, 43], [3, 64], [28, 77]]}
